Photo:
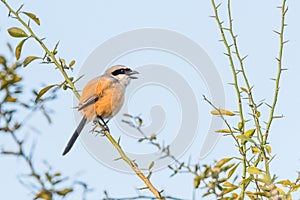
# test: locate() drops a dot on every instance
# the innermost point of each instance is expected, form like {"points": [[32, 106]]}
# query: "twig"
{"points": [[282, 42], [236, 84], [225, 121], [133, 166], [141, 197], [51, 54], [241, 59]]}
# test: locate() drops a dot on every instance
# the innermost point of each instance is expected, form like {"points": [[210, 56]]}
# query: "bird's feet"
{"points": [[105, 128], [102, 123]]}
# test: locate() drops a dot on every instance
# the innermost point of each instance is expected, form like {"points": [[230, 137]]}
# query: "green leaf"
{"points": [[19, 49], [230, 173], [247, 180], [267, 180], [10, 99], [43, 91], [151, 165], [17, 32], [33, 17], [255, 150], [241, 125], [222, 112], [254, 170], [64, 191], [228, 184], [3, 61], [222, 162], [149, 175], [206, 194], [286, 183], [294, 189], [72, 63], [57, 174], [29, 59], [62, 62], [127, 115], [140, 121], [197, 180], [226, 167], [227, 190], [268, 148], [44, 194], [153, 137], [248, 135], [224, 131], [245, 139], [244, 89]]}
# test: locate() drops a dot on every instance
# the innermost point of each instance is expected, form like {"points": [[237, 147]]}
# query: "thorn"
{"points": [[246, 56], [278, 116], [226, 29], [286, 10], [119, 158], [218, 6], [19, 9], [260, 104], [285, 42], [268, 105]]}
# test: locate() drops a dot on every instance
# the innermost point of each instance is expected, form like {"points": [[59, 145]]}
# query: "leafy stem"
{"points": [[235, 81], [48, 52]]}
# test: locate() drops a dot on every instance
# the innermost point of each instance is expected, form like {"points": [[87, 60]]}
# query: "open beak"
{"points": [[132, 73]]}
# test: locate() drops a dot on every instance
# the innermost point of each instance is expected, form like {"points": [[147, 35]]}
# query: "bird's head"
{"points": [[122, 73]]}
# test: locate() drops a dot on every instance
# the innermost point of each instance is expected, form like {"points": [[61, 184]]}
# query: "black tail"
{"points": [[74, 136]]}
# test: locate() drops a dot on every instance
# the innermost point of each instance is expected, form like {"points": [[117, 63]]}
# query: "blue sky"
{"points": [[83, 26]]}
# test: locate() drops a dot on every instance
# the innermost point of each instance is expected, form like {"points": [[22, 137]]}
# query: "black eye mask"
{"points": [[121, 71]]}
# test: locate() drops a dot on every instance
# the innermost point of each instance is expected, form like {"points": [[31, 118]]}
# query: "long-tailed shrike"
{"points": [[102, 98]]}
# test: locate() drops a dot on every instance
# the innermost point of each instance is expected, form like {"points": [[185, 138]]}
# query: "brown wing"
{"points": [[93, 92]]}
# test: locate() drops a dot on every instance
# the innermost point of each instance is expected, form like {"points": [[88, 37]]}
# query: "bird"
{"points": [[102, 98]]}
